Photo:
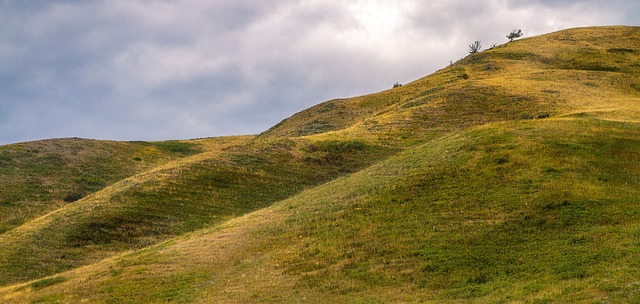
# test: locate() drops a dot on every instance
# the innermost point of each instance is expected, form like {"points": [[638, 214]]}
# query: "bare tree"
{"points": [[475, 47]]}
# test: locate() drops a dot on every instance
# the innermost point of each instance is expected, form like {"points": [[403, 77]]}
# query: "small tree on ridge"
{"points": [[515, 34]]}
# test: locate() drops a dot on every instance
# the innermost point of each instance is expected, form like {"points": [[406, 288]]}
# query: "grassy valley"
{"points": [[510, 176]]}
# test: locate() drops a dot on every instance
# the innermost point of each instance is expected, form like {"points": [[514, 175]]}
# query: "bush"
{"points": [[72, 196], [47, 282], [515, 34], [174, 146], [335, 152]]}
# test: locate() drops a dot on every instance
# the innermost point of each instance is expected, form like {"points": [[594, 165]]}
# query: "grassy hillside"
{"points": [[471, 217], [41, 176], [178, 197], [580, 70], [509, 176]]}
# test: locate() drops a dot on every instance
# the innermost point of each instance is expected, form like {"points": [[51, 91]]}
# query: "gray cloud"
{"points": [[141, 69]]}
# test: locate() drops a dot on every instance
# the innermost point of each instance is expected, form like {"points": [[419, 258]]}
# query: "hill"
{"points": [[41, 176], [509, 176]]}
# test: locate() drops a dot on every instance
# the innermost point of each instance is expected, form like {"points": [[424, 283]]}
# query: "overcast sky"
{"points": [[180, 69]]}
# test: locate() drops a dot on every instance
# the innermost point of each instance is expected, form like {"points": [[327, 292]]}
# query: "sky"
{"points": [[182, 69]]}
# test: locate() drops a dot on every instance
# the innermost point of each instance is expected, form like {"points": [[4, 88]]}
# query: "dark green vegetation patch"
{"points": [[47, 282]]}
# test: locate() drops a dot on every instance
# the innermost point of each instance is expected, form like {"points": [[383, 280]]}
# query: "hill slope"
{"points": [[41, 176], [441, 190]]}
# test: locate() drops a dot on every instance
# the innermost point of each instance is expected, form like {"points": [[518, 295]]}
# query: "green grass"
{"points": [[176, 200], [470, 221], [39, 177], [524, 211], [468, 225]]}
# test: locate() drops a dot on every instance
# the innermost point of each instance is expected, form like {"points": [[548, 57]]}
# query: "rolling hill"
{"points": [[512, 175]]}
